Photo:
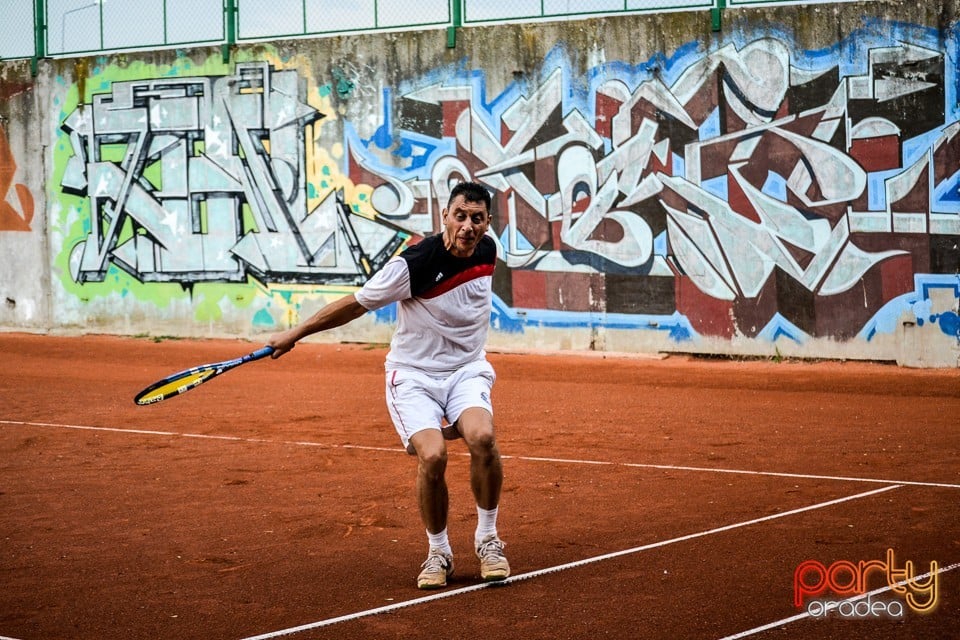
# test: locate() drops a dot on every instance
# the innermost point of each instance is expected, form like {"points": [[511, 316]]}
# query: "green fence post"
{"points": [[39, 34], [457, 22], [100, 11], [230, 16], [716, 13]]}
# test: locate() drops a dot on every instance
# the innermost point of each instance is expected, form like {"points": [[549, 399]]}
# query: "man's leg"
{"points": [[486, 470], [431, 487], [433, 500], [486, 481]]}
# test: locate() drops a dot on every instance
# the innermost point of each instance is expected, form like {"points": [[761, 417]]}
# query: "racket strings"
{"points": [[176, 386]]}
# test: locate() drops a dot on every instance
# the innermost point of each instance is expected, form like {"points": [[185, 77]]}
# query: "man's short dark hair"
{"points": [[471, 192]]}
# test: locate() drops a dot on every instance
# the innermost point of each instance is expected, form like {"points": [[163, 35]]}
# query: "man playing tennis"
{"points": [[437, 369]]}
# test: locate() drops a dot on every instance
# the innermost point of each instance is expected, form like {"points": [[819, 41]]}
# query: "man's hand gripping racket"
{"points": [[183, 381]]}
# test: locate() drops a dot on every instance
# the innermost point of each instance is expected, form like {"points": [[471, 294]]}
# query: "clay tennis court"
{"points": [[643, 498]]}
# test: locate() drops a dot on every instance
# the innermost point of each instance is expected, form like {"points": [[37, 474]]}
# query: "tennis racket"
{"points": [[183, 381]]}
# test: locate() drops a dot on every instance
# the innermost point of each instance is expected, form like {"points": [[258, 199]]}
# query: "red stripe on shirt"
{"points": [[472, 273]]}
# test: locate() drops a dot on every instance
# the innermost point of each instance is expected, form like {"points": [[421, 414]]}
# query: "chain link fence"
{"points": [[62, 28], [259, 19], [17, 31], [742, 3], [475, 11], [85, 26]]}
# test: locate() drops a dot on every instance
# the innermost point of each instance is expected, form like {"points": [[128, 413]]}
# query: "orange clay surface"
{"points": [[643, 498]]}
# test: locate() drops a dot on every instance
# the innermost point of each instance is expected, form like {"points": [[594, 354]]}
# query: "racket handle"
{"points": [[259, 353]]}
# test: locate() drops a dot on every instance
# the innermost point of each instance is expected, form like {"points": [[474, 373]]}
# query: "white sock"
{"points": [[440, 541], [486, 523]]}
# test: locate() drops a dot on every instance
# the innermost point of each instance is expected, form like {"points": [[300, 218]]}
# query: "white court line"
{"points": [[777, 474], [869, 594], [560, 567], [637, 465]]}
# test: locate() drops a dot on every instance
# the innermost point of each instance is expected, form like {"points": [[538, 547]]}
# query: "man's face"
{"points": [[464, 223]]}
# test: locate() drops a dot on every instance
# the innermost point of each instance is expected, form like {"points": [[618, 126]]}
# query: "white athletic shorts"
{"points": [[419, 401]]}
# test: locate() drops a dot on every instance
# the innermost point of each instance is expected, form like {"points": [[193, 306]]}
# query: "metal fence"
{"points": [[54, 28], [744, 3], [17, 31], [62, 28], [259, 19], [483, 11]]}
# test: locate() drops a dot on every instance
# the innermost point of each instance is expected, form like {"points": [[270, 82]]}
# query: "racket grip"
{"points": [[260, 353]]}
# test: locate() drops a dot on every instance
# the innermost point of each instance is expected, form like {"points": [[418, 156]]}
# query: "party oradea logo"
{"points": [[859, 590]]}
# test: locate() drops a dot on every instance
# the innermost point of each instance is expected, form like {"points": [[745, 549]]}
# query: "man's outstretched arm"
{"points": [[337, 313]]}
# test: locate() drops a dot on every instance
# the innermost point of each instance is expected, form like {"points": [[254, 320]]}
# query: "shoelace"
{"points": [[435, 563], [491, 550]]}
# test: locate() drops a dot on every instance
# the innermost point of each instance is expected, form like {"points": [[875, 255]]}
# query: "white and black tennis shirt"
{"points": [[444, 302]]}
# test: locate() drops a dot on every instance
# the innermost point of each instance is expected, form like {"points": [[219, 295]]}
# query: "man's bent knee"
{"points": [[483, 443], [431, 451], [476, 425]]}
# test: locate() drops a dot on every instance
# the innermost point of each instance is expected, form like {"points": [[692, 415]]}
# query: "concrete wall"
{"points": [[786, 185]]}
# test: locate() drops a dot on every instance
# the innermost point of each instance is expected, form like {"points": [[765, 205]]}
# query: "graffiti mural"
{"points": [[745, 189], [12, 219], [203, 179], [752, 190]]}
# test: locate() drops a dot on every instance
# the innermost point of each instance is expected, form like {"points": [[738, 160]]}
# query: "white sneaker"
{"points": [[493, 564], [435, 570]]}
